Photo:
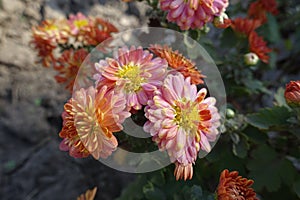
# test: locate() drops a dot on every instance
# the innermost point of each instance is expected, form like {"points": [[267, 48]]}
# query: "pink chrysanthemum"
{"points": [[182, 122], [193, 13], [89, 120], [78, 22], [134, 72]]}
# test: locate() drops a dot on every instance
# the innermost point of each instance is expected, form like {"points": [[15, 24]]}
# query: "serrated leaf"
{"points": [[269, 117]]}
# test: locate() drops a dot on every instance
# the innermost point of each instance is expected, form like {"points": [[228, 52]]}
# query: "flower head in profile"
{"points": [[192, 13], [89, 120], [68, 66], [292, 93], [134, 72], [182, 121], [232, 187], [178, 62], [258, 46], [245, 26]]}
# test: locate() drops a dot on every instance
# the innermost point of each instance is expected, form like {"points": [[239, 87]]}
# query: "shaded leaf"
{"points": [[269, 117]]}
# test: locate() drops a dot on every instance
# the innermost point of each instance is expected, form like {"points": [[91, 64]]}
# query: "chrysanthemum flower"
{"points": [[182, 121], [46, 37], [292, 93], [234, 187], [258, 9], [78, 22], [245, 26], [89, 119], [68, 66], [134, 72], [178, 62], [193, 13], [258, 46], [97, 31]]}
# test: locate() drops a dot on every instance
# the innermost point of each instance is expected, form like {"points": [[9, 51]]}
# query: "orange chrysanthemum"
{"points": [[258, 9], [97, 31], [88, 195], [68, 66], [46, 37], [178, 62], [258, 46], [89, 120], [244, 26], [234, 187]]}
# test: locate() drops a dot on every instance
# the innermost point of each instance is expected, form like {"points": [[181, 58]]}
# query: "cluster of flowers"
{"points": [[193, 14], [63, 44], [181, 120], [246, 27]]}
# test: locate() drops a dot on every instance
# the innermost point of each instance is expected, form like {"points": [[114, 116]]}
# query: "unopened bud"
{"points": [[251, 59], [292, 94], [230, 113]]}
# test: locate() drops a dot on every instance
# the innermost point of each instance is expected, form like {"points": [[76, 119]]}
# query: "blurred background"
{"points": [[31, 103]]}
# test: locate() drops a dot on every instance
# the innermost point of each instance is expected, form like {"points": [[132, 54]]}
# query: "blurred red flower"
{"points": [[245, 26]]}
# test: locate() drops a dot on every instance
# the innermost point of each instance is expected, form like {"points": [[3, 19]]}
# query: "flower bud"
{"points": [[292, 94], [251, 59], [230, 113]]}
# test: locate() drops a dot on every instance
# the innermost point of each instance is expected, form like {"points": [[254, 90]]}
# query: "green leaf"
{"points": [[241, 148], [279, 97], [267, 118], [274, 35], [134, 190], [269, 171], [228, 38]]}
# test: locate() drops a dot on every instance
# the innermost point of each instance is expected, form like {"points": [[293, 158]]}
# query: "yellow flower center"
{"points": [[188, 118], [81, 23], [51, 27], [131, 72]]}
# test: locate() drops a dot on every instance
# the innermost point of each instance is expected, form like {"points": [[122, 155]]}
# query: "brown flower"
{"points": [[292, 93], [235, 187], [178, 62], [88, 195]]}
